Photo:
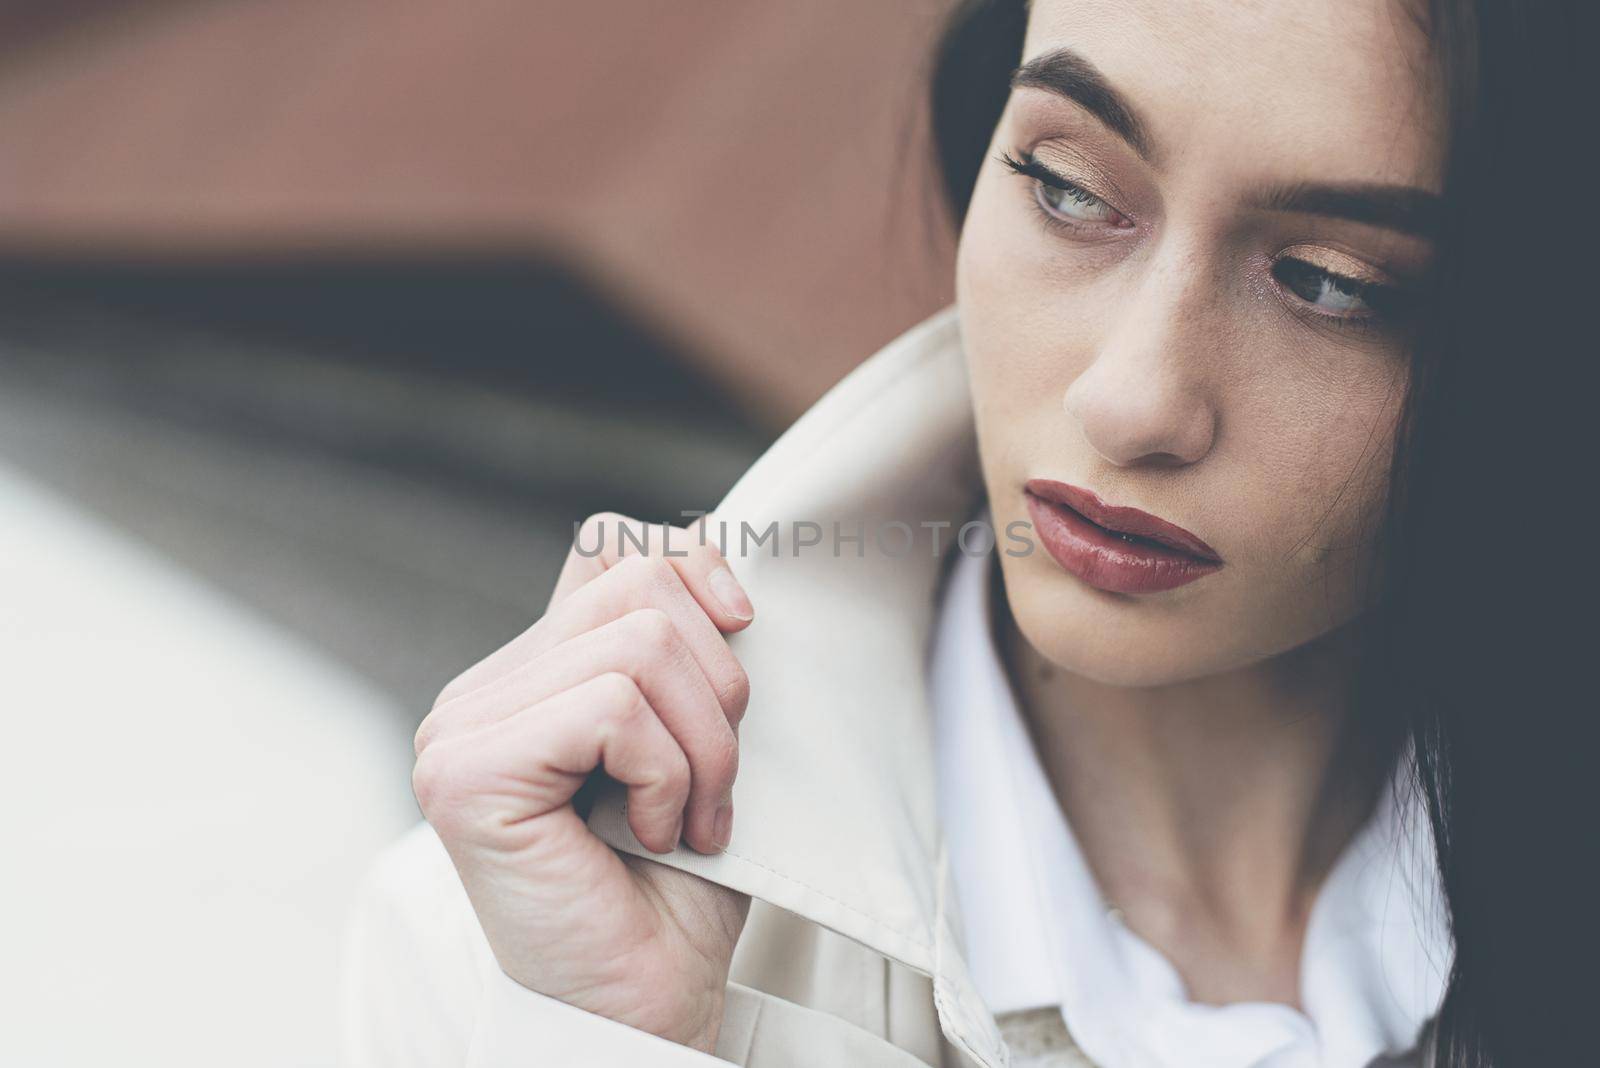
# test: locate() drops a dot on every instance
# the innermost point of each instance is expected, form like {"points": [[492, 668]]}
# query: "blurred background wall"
{"points": [[320, 324]]}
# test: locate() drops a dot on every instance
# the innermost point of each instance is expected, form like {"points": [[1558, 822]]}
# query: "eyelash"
{"points": [[1385, 303], [1373, 294], [1029, 167]]}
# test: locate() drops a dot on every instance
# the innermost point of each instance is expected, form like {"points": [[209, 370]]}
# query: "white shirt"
{"points": [[1376, 952]]}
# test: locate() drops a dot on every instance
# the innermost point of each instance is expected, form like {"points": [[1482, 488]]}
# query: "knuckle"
{"points": [[736, 691], [719, 762], [653, 629], [675, 777], [452, 689], [624, 709], [427, 730], [439, 784], [618, 693]]}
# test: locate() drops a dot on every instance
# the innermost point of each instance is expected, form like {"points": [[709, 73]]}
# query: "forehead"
{"points": [[1335, 90]]}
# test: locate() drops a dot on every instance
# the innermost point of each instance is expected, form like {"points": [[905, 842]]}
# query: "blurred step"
{"points": [[403, 501]]}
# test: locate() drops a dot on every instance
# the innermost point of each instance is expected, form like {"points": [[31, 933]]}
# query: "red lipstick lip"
{"points": [[1122, 518]]}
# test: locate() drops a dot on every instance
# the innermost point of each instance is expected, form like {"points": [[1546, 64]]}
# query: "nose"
{"points": [[1143, 399]]}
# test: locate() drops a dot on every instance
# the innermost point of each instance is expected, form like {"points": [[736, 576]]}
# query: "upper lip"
{"points": [[1121, 517]]}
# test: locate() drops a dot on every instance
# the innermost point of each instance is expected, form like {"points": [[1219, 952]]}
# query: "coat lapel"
{"points": [[836, 815]]}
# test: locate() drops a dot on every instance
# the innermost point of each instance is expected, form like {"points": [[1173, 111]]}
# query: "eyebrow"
{"points": [[1070, 75], [1395, 207]]}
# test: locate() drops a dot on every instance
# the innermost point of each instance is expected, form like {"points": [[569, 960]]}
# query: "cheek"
{"points": [[994, 300], [1023, 330], [1315, 472], [989, 287]]}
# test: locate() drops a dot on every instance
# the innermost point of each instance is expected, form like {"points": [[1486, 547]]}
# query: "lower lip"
{"points": [[1106, 562]]}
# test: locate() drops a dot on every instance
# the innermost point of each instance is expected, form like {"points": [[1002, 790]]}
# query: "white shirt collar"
{"points": [[1038, 934]]}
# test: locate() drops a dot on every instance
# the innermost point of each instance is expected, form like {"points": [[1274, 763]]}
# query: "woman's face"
{"points": [[1184, 279]]}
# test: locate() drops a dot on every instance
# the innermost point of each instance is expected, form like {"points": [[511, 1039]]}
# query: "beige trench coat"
{"points": [[853, 954]]}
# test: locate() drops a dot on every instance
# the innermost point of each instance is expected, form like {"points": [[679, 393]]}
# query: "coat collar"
{"points": [[837, 819]]}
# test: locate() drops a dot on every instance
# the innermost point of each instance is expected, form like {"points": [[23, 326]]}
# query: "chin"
{"points": [[1112, 639]]}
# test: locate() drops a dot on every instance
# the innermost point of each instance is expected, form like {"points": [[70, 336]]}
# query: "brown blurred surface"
{"points": [[751, 179]]}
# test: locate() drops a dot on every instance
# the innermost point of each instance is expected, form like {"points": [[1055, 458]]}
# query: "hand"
{"points": [[627, 672]]}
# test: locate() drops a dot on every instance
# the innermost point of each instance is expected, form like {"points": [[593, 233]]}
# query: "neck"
{"points": [[1209, 810]]}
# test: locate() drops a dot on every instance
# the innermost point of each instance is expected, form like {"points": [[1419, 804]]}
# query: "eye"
{"points": [[1332, 294], [1074, 203], [1063, 199]]}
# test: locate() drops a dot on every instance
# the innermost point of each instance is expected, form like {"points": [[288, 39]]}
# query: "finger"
{"points": [[646, 647], [602, 544], [636, 583], [643, 644], [649, 582], [606, 539], [530, 764]]}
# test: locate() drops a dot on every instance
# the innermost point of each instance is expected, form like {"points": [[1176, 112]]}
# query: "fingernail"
{"points": [[672, 842], [726, 588], [722, 826]]}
